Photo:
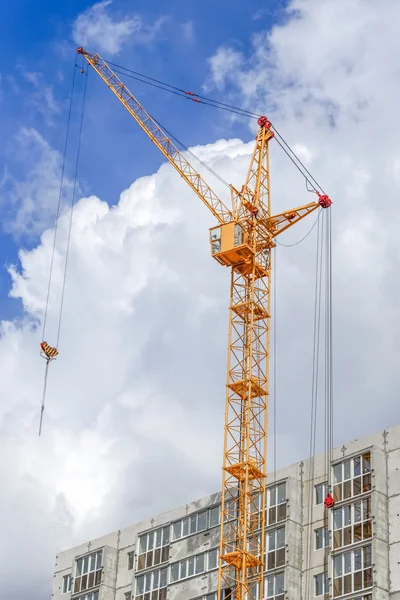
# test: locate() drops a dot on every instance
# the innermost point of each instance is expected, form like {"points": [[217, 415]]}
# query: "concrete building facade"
{"points": [[351, 551]]}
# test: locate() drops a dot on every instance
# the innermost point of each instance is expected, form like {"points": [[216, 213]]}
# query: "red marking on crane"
{"points": [[263, 122], [190, 93], [324, 200]]}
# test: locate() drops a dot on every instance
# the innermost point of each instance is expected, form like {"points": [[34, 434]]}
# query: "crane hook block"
{"points": [[324, 200], [48, 351], [329, 501]]}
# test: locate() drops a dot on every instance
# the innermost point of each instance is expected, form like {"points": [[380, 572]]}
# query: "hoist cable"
{"points": [[59, 201], [157, 83], [303, 238], [43, 396], [72, 204], [314, 389]]}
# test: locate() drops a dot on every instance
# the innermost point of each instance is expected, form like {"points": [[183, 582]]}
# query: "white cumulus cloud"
{"points": [[98, 30]]}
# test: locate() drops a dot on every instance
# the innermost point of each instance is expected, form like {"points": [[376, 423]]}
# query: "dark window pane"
{"points": [[347, 536], [77, 584], [279, 584], [183, 570], [185, 526], [337, 518], [149, 560], [199, 564], [163, 578], [346, 469], [165, 535], [337, 473], [272, 515], [162, 594], [91, 580], [358, 581], [357, 486], [202, 521], [154, 595], [357, 466], [157, 556], [367, 483], [337, 587], [347, 584], [165, 554], [175, 572], [367, 462], [281, 512], [280, 557], [84, 582], [367, 556], [357, 533], [281, 493], [98, 577], [368, 578], [214, 516], [158, 537], [141, 562], [337, 539], [271, 560], [337, 492], [347, 489], [367, 527], [191, 566]]}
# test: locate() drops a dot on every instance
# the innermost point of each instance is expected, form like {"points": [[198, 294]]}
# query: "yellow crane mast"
{"points": [[242, 240]]}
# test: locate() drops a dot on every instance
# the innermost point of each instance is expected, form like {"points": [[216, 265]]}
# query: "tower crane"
{"points": [[242, 240]]}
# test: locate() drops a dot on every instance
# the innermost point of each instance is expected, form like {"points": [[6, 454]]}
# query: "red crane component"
{"points": [[324, 200], [329, 501], [263, 122]]}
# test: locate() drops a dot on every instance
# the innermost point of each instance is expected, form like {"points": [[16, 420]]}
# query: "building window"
{"points": [[352, 523], [321, 492], [275, 548], [352, 571], [67, 584], [130, 560], [88, 572], [321, 584], [322, 538], [276, 504], [128, 595], [200, 521], [152, 586], [153, 548], [90, 596], [274, 587], [352, 477], [194, 565]]}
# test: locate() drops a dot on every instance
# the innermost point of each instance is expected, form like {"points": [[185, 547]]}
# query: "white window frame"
{"points": [[326, 538], [324, 488], [183, 566], [325, 584], [67, 584], [353, 571], [351, 509], [274, 577], [189, 525], [87, 570], [272, 536]]}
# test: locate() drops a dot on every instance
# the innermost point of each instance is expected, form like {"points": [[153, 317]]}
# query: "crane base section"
{"points": [[239, 471], [241, 388], [236, 560]]}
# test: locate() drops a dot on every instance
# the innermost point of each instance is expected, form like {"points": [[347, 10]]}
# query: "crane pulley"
{"points": [[243, 240]]}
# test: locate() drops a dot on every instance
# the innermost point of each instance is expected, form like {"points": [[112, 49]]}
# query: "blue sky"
{"points": [[37, 57]]}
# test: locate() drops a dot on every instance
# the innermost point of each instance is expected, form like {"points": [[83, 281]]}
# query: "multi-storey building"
{"points": [[351, 551]]}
